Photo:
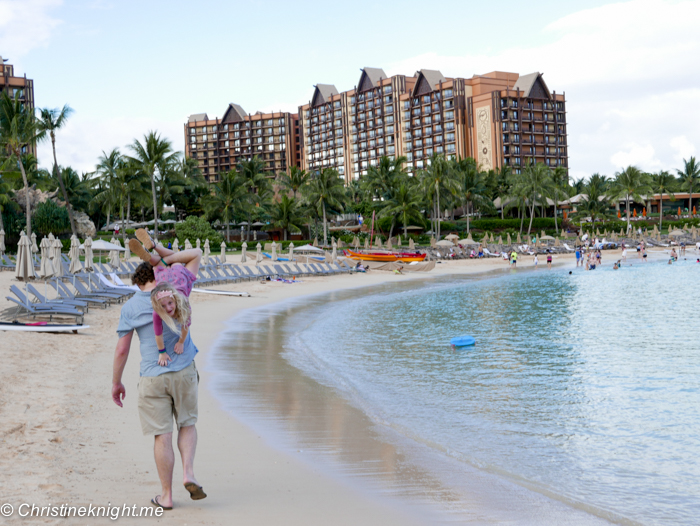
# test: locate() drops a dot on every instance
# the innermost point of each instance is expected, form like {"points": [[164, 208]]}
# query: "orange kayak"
{"points": [[404, 256]]}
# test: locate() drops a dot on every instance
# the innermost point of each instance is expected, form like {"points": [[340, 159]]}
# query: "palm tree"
{"points": [[294, 180], [107, 169], [560, 184], [49, 121], [18, 131], [285, 214], [596, 203], [227, 194], [630, 183], [406, 204], [472, 189], [78, 188], [381, 182], [325, 190], [257, 187], [535, 182], [688, 177], [149, 157], [502, 186], [663, 183], [437, 178]]}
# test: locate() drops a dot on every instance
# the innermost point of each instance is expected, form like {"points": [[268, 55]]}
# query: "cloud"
{"points": [[26, 25], [626, 69]]}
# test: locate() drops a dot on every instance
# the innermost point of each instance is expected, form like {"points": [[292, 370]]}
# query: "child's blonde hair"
{"points": [[182, 310]]}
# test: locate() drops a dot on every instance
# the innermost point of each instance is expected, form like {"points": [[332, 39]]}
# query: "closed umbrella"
{"points": [[114, 259], [35, 248], [188, 245], [335, 252], [274, 251], [389, 245], [356, 242], [315, 241], [24, 269], [244, 247], [398, 243], [88, 254], [175, 246], [2, 242], [291, 251], [199, 243], [207, 250], [74, 254], [258, 256], [223, 252], [508, 240], [57, 260], [46, 268], [366, 243], [411, 244]]}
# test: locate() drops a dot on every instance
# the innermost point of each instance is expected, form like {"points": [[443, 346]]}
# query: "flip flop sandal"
{"points": [[138, 249], [145, 239], [157, 504], [196, 492]]}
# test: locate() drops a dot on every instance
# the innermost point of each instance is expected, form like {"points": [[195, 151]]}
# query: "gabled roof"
{"points": [[370, 78], [322, 93], [234, 113], [427, 81], [198, 117], [533, 85]]}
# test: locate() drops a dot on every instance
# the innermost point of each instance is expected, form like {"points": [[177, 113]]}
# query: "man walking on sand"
{"points": [[165, 392]]}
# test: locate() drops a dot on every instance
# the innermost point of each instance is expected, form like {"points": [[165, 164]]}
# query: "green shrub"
{"points": [[50, 218], [194, 228], [495, 225]]}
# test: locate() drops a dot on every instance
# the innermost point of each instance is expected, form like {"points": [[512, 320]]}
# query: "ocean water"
{"points": [[582, 388]]}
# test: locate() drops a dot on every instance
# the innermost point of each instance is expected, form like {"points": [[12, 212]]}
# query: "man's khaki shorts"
{"points": [[166, 396]]}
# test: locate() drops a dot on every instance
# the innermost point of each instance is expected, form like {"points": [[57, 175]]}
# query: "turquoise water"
{"points": [[582, 387]]}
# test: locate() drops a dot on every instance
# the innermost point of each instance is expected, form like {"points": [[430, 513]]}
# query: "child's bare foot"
{"points": [[138, 249], [145, 239]]}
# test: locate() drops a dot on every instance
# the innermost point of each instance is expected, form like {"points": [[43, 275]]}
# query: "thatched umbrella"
{"points": [[258, 256], [2, 242], [74, 254], [411, 244], [46, 268], [188, 245], [244, 247], [57, 260], [274, 251], [176, 245], [291, 251], [207, 251], [24, 269], [223, 252], [88, 254], [35, 248], [199, 243]]}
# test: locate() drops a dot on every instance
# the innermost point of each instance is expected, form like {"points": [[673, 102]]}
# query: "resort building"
{"points": [[219, 145], [21, 86], [499, 119]]}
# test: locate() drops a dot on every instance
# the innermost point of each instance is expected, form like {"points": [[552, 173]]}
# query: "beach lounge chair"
{"points": [[64, 292], [76, 304], [83, 291], [6, 263], [568, 248], [114, 285], [36, 309]]}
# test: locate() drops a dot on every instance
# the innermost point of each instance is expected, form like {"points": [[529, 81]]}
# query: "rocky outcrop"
{"points": [[83, 224], [36, 197]]}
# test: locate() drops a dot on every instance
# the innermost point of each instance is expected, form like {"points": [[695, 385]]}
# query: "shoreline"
{"points": [[65, 441]]}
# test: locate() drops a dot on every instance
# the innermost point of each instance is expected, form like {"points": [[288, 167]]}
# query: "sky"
{"points": [[629, 69]]}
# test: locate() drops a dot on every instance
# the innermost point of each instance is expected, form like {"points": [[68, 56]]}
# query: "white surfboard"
{"points": [[221, 292], [21, 327]]}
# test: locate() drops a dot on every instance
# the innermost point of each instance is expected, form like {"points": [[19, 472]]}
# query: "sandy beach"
{"points": [[64, 440]]}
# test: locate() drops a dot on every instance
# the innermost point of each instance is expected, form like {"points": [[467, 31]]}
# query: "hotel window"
{"points": [[389, 129], [450, 137], [258, 124], [450, 148], [447, 93], [192, 131], [449, 115], [193, 139], [204, 137], [226, 144], [439, 149], [387, 89], [449, 104], [391, 150]]}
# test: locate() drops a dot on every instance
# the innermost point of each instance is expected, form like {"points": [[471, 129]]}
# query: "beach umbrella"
{"points": [[341, 244], [366, 243], [35, 248], [356, 242], [207, 251], [223, 252], [176, 248], [258, 256], [508, 240], [46, 268], [379, 242], [676, 233], [389, 245], [556, 242], [74, 254], [492, 238], [518, 239], [2, 242], [411, 244], [24, 269], [335, 252], [316, 241], [87, 249], [188, 245], [198, 243], [291, 251], [274, 251], [244, 247], [452, 237], [500, 240], [444, 243], [57, 260], [398, 242], [114, 255]]}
